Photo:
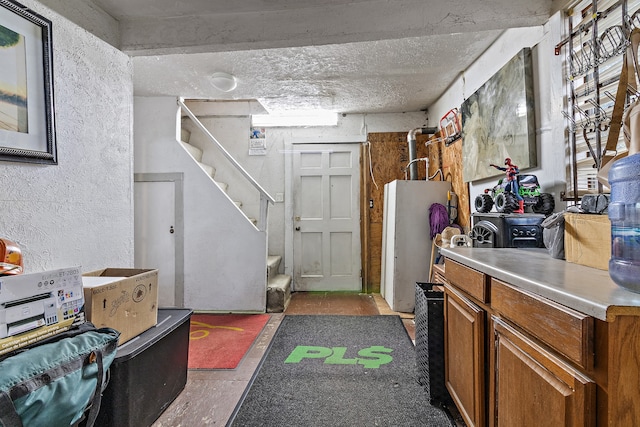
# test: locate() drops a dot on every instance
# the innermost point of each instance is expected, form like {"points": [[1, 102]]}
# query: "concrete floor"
{"points": [[210, 396]]}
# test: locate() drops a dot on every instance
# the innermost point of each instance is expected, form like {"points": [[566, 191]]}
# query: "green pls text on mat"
{"points": [[370, 357]]}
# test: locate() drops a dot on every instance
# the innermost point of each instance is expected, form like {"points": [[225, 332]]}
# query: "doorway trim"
{"points": [[289, 144], [178, 180]]}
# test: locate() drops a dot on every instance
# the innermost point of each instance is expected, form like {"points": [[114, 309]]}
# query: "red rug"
{"points": [[220, 341]]}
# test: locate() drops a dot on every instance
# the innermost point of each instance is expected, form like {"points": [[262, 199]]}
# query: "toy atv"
{"points": [[507, 202]]}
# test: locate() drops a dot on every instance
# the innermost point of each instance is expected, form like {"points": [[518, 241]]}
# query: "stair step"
{"points": [[195, 152], [210, 170], [185, 135], [273, 265], [278, 293], [223, 185]]}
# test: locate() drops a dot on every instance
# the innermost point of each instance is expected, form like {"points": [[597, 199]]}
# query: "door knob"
{"points": [[297, 228], [171, 230]]}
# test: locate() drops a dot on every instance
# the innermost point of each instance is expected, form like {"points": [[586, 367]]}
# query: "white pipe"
{"points": [[411, 140], [423, 159]]}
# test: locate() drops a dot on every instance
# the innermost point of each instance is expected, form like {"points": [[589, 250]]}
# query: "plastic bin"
{"points": [[148, 372], [429, 319]]}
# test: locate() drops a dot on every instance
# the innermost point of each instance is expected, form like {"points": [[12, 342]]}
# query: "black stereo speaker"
{"points": [[497, 230]]}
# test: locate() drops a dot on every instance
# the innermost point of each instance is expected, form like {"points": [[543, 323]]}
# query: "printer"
{"points": [[49, 300], [22, 315]]}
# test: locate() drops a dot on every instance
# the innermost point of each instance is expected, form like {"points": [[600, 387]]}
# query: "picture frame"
{"points": [[498, 121], [27, 123]]}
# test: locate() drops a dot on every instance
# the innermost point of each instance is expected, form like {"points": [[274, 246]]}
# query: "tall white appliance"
{"points": [[406, 238]]}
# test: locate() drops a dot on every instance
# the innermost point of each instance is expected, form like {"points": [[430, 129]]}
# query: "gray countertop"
{"points": [[588, 290]]}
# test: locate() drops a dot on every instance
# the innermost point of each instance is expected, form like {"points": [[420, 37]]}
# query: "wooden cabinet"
{"points": [[516, 358], [467, 279], [569, 332], [534, 387], [464, 352]]}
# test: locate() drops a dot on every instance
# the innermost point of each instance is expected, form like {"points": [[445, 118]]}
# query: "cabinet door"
{"points": [[534, 387], [464, 356]]}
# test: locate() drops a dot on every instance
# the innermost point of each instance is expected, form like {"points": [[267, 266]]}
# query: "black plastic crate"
{"points": [[148, 372], [429, 319]]}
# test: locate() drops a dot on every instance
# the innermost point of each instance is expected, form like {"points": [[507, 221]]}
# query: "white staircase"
{"points": [[278, 285], [197, 153]]}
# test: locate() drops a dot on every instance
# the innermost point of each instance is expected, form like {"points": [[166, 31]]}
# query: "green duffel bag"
{"points": [[58, 383]]}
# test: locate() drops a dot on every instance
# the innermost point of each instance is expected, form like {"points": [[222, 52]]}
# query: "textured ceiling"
{"points": [[382, 76], [172, 8], [347, 56]]}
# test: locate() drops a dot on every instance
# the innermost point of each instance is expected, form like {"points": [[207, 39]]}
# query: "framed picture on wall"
{"points": [[27, 125], [498, 121]]}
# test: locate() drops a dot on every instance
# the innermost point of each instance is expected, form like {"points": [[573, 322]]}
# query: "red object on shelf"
{"points": [[10, 258]]}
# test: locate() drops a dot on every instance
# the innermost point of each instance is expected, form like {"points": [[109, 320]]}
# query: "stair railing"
{"points": [[265, 198]]}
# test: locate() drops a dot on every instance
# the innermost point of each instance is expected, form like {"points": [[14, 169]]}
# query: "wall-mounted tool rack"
{"points": [[598, 35]]}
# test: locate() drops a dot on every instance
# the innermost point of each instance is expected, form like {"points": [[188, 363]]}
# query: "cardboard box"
{"points": [[125, 299], [36, 306], [587, 239]]}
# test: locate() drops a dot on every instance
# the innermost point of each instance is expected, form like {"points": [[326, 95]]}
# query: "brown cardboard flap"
{"points": [[118, 272]]}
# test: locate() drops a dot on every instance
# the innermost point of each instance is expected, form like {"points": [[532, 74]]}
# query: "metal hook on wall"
{"points": [[601, 115], [576, 64], [586, 123], [572, 122], [633, 21], [609, 95], [612, 42], [632, 95], [590, 126], [588, 53], [632, 92]]}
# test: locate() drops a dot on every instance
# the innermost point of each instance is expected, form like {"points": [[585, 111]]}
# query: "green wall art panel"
{"points": [[498, 121]]}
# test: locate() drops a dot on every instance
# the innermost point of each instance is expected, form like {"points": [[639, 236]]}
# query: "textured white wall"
{"points": [[548, 92], [79, 212]]}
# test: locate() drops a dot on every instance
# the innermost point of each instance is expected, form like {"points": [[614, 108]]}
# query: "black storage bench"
{"points": [[148, 372]]}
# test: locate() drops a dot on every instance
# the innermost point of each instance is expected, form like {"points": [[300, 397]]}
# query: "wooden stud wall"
{"points": [[450, 160], [389, 154]]}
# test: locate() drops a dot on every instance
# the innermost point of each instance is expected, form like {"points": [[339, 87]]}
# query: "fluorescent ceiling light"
{"points": [[296, 118]]}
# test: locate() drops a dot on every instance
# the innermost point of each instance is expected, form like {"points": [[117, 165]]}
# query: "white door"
{"points": [[156, 230], [326, 210]]}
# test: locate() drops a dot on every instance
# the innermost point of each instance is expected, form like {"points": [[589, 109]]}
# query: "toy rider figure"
{"points": [[512, 172]]}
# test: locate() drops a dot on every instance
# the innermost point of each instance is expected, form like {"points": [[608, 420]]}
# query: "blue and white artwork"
{"points": [[13, 81]]}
